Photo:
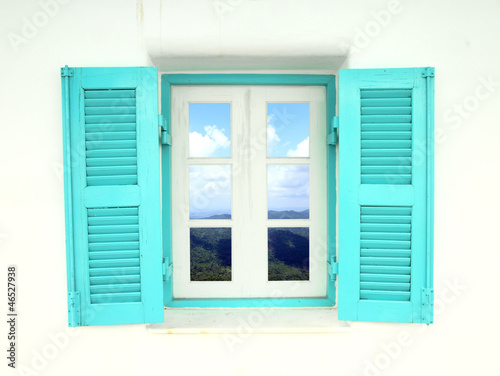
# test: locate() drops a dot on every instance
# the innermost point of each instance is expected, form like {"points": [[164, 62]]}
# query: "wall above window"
{"points": [[223, 35], [322, 63]]}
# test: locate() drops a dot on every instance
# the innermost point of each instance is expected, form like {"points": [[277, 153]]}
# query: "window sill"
{"points": [[249, 321]]}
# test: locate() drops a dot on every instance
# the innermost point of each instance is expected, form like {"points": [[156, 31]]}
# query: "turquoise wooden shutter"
{"points": [[112, 195], [386, 195]]}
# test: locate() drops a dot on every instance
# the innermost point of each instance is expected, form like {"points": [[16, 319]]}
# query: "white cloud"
{"points": [[302, 149], [288, 187], [214, 180], [288, 180], [206, 145], [272, 137], [209, 190]]}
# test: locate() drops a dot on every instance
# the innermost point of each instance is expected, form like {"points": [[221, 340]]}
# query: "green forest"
{"points": [[210, 254], [288, 254]]}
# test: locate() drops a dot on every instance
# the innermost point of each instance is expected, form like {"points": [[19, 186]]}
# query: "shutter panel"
{"points": [[112, 195], [385, 195]]}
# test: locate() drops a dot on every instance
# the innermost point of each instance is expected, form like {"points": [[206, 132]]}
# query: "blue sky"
{"points": [[209, 130], [288, 129]]}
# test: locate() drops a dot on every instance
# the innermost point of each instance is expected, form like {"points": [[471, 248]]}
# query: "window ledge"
{"points": [[249, 321]]}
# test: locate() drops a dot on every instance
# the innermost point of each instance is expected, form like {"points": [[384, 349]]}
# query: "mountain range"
{"points": [[271, 214]]}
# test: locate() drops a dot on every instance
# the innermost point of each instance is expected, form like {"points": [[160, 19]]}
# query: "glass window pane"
{"points": [[288, 129], [288, 191], [288, 254], [210, 254], [209, 130], [209, 192]]}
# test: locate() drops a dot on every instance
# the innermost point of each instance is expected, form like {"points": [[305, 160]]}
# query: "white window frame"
{"points": [[248, 142]]}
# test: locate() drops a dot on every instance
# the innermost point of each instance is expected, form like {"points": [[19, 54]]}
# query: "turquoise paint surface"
{"points": [[379, 278], [92, 303]]}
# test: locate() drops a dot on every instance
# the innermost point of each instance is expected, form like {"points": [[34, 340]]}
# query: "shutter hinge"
{"points": [[333, 136], [165, 137], [74, 309], [333, 268], [66, 71], [429, 72], [167, 268], [427, 305]]}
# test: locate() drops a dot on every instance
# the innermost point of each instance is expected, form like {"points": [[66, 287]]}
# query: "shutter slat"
{"points": [[117, 109], [387, 170], [117, 161], [385, 235], [401, 153], [98, 238], [111, 102], [386, 261], [113, 246], [385, 161], [122, 220], [115, 144], [117, 279], [110, 171], [114, 255], [385, 286], [385, 144], [386, 118], [113, 263], [386, 252], [374, 252], [109, 136], [395, 211], [120, 127], [109, 272], [385, 135], [384, 93], [403, 110], [388, 278], [386, 102], [397, 127], [112, 229], [118, 213], [112, 93], [391, 244], [384, 219], [94, 119], [385, 227], [112, 153], [381, 269]]}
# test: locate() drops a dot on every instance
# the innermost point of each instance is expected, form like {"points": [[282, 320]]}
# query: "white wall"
{"points": [[460, 38]]}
